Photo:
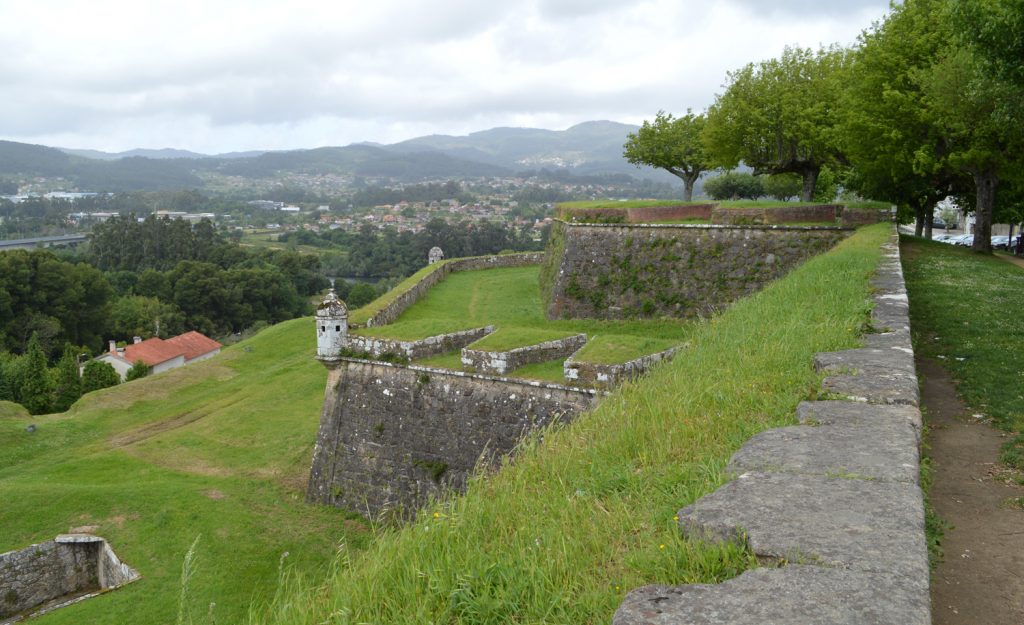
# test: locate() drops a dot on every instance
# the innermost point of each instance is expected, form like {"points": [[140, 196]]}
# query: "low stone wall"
{"points": [[72, 565], [395, 308], [501, 363], [835, 500], [594, 374], [864, 216], [676, 270], [776, 215], [648, 214], [422, 348]]}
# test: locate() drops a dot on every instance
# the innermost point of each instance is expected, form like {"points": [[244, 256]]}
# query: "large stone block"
{"points": [[864, 525], [792, 595]]}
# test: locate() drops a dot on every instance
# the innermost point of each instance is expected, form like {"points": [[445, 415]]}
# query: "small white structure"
{"points": [[435, 255], [331, 327]]}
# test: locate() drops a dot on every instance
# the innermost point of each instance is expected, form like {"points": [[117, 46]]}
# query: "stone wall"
{"points": [[500, 363], [864, 216], [835, 501], [71, 564], [595, 374], [639, 214], [422, 348], [395, 308], [776, 215], [617, 271], [391, 437]]}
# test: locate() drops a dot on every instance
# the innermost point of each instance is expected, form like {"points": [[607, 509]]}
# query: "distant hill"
{"points": [[584, 149], [587, 148], [163, 153]]}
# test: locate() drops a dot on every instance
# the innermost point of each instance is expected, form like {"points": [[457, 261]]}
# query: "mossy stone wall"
{"points": [[623, 271]]}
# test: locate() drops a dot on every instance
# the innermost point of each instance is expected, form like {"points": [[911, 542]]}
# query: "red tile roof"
{"points": [[152, 351], [194, 344]]}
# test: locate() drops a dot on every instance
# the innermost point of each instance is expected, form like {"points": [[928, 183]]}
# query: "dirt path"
{"points": [[981, 579], [1013, 260]]}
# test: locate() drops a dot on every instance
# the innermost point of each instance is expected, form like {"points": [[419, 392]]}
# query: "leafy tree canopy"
{"points": [[672, 144]]}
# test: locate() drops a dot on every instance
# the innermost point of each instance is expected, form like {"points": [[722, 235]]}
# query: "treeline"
{"points": [[928, 104], [375, 254]]}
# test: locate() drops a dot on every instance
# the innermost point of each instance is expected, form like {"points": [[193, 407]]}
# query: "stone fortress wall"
{"points": [[835, 502], [609, 271], [393, 436]]}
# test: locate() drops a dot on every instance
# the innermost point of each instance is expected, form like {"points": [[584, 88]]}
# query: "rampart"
{"points": [[391, 436], [375, 347], [500, 363], [70, 567], [396, 307], [833, 502], [611, 271], [824, 213], [608, 375]]}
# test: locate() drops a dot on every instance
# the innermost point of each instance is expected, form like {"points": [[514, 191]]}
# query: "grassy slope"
{"points": [[218, 449], [565, 531], [509, 299], [966, 310]]}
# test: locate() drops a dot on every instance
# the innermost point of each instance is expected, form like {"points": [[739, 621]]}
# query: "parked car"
{"points": [[966, 240], [1000, 242], [944, 238]]}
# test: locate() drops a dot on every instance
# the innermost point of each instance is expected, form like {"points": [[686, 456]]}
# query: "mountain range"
{"points": [[585, 149]]}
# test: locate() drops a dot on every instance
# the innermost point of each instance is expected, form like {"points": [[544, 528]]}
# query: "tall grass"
{"points": [[563, 532]]}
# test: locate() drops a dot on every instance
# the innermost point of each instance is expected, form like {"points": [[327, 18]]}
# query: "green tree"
{"points": [[36, 393], [733, 185], [68, 382], [138, 371], [672, 144], [982, 135], [896, 151], [361, 294], [98, 374], [778, 116]]}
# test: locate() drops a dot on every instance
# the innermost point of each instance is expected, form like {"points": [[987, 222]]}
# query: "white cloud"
{"points": [[234, 75]]}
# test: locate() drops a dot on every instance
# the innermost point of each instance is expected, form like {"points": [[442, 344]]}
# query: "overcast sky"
{"points": [[225, 75]]}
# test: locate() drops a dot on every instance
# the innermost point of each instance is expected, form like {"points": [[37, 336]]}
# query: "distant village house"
{"points": [[159, 354]]}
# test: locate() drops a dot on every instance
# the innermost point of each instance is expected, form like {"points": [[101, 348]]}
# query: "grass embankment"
{"points": [[509, 299], [966, 311], [562, 533], [219, 449]]}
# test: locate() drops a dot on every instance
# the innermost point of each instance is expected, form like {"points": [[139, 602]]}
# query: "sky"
{"points": [[230, 75]]}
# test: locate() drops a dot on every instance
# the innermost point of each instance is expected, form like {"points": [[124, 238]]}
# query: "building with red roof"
{"points": [[159, 354]]}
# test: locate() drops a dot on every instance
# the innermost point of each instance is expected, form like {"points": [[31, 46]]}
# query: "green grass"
{"points": [[363, 314], [509, 299], [623, 204], [219, 449], [563, 532], [966, 311]]}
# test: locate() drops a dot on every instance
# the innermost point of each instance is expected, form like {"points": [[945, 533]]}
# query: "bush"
{"points": [[97, 375], [139, 370], [734, 186]]}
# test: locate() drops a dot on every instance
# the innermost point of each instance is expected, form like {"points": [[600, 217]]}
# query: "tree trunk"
{"points": [[810, 181], [918, 221], [985, 183], [929, 223], [688, 183]]}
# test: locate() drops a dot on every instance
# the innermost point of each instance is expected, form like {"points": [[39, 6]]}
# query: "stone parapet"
{"points": [[605, 375], [500, 363], [377, 347], [834, 500]]}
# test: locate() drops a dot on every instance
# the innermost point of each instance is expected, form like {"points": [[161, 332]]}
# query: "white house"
{"points": [[159, 354]]}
